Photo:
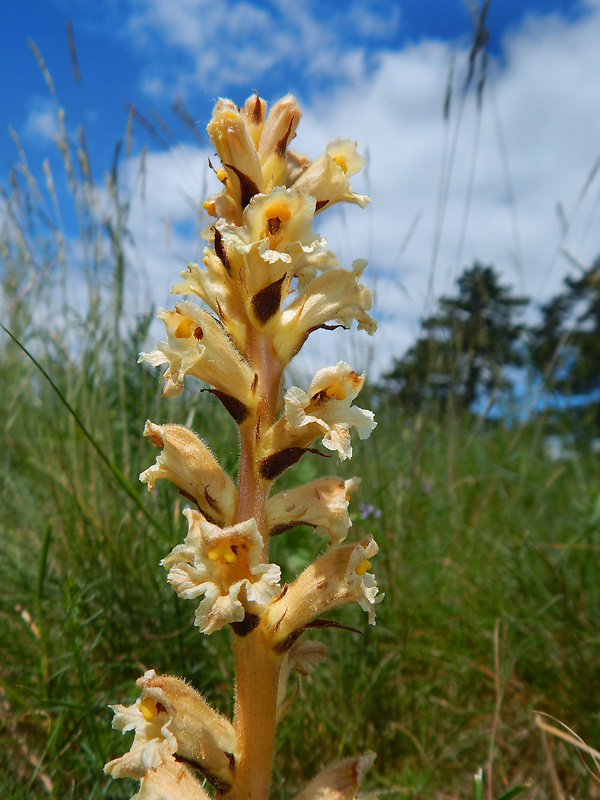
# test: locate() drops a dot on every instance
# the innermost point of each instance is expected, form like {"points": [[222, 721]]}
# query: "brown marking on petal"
{"points": [[272, 466], [320, 204], [234, 549], [257, 429], [257, 111], [247, 625], [287, 643], [220, 250], [273, 224], [220, 786], [160, 708], [275, 627], [211, 500], [315, 328], [254, 383], [282, 144], [198, 333], [247, 186], [155, 438], [281, 594], [193, 500], [220, 311], [238, 410], [266, 302], [321, 584], [277, 530]]}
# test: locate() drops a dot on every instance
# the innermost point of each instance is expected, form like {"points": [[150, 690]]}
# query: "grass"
{"points": [[489, 558]]}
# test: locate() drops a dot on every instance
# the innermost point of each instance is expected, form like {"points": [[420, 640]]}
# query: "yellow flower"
{"points": [[189, 464], [224, 565]]}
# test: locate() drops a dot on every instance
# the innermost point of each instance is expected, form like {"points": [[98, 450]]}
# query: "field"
{"points": [[489, 562]]}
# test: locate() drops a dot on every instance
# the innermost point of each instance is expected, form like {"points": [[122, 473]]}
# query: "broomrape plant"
{"points": [[266, 283]]}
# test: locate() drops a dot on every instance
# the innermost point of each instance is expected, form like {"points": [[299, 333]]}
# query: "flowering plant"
{"points": [[267, 281]]}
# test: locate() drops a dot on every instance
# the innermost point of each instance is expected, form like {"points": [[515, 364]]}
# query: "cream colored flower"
{"points": [[340, 781], [334, 296], [205, 738], [153, 744], [322, 504], [172, 718], [326, 179], [188, 463], [324, 409], [197, 345], [335, 578], [170, 782], [224, 565]]}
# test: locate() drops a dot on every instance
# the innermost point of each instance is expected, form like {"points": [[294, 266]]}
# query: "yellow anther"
{"points": [[221, 175], [347, 498], [184, 329], [148, 708], [341, 162], [363, 567], [279, 211], [222, 552], [335, 391], [210, 208]]}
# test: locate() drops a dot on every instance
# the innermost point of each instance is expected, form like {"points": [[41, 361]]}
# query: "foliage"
{"points": [[465, 347], [565, 346]]}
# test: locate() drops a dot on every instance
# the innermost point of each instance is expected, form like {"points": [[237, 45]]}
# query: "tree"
{"points": [[565, 347], [465, 347]]}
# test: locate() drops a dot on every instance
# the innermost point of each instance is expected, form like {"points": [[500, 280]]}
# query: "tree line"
{"points": [[476, 347]]}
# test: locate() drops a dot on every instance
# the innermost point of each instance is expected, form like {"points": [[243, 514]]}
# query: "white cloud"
{"points": [[42, 122], [536, 141], [233, 42]]}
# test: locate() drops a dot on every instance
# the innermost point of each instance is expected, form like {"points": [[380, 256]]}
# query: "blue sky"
{"points": [[374, 71]]}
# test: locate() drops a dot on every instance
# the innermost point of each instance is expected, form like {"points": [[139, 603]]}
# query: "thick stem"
{"points": [[257, 667], [257, 679]]}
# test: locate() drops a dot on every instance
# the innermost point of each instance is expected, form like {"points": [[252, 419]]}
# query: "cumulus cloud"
{"points": [[484, 184]]}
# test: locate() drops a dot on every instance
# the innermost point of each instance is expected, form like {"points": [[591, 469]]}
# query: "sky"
{"points": [[508, 176]]}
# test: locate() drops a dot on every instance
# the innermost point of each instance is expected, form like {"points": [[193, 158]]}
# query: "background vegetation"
{"points": [[489, 546]]}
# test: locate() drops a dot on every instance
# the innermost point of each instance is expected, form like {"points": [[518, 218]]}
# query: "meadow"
{"points": [[488, 634]]}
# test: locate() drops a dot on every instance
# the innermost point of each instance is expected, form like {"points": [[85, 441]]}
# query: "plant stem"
{"points": [[257, 667]]}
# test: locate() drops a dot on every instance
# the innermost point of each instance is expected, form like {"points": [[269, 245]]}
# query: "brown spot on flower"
{"points": [[282, 144], [220, 250], [247, 625], [257, 111], [238, 410], [273, 224], [320, 204], [198, 333], [247, 186], [272, 466], [266, 302]]}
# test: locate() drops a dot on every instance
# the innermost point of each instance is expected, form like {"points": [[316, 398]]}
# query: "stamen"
{"points": [[336, 391], [363, 567], [148, 708], [341, 162], [210, 208], [221, 174], [223, 552]]}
